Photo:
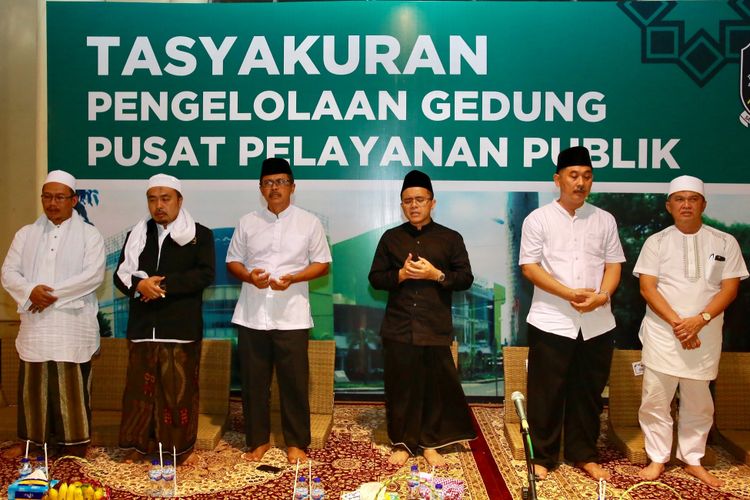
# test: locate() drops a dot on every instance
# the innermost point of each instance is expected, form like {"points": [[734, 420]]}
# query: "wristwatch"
{"points": [[706, 316]]}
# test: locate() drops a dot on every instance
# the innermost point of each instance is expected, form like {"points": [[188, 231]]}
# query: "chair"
{"points": [[108, 370], [732, 406], [624, 430], [514, 373], [8, 380], [321, 355], [108, 375]]}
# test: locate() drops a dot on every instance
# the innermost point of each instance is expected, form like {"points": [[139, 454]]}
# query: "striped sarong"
{"points": [[54, 402]]}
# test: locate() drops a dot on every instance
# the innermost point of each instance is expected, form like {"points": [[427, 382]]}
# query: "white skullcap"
{"points": [[686, 183], [164, 180], [62, 177]]}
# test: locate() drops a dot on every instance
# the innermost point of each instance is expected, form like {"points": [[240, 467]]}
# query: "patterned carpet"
{"points": [[567, 482], [350, 459]]}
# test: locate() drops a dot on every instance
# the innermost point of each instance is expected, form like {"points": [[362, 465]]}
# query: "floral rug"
{"points": [[568, 482], [352, 457], [349, 459]]}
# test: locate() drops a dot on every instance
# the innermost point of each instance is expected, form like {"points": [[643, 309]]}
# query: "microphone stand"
{"points": [[528, 492]]}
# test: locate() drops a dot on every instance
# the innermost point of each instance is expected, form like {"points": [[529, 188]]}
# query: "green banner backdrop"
{"points": [[368, 90], [480, 95]]}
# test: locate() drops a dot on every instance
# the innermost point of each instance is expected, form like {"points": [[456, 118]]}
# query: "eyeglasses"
{"points": [[46, 197], [419, 200], [269, 183]]}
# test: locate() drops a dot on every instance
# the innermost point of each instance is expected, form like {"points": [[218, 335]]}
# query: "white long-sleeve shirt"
{"points": [[67, 330]]}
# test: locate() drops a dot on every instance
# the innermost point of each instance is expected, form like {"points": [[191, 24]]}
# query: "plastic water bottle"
{"points": [[40, 466], [167, 479], [413, 482], [318, 493], [25, 468], [154, 479], [439, 491], [301, 491]]}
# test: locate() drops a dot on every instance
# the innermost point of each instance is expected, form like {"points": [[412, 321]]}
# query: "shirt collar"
{"points": [[580, 211], [64, 223], [270, 216], [161, 229], [416, 232]]}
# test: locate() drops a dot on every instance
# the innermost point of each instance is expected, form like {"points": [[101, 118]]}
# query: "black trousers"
{"points": [[259, 352], [425, 404], [566, 378]]}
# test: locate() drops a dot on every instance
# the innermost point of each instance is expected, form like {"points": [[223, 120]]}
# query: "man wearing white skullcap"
{"points": [[689, 273], [52, 270], [166, 263]]}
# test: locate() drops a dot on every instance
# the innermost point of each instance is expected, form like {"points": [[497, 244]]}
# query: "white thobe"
{"points": [[68, 329], [689, 269]]}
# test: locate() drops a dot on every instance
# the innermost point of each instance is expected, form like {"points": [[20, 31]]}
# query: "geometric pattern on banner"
{"points": [[701, 56]]}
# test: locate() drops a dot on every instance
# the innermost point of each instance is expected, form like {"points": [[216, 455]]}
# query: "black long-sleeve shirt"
{"points": [[419, 311]]}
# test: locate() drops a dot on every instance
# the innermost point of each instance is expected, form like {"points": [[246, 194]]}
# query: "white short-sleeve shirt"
{"points": [[689, 269], [573, 250], [283, 244]]}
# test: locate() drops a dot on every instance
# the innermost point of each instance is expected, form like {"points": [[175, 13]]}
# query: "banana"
{"points": [[63, 493]]}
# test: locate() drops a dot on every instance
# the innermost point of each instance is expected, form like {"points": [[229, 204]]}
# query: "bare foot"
{"points": [[540, 471], [134, 457], [433, 457], [14, 451], [293, 454], [398, 457], [188, 458], [76, 450], [594, 470], [256, 455], [652, 471], [701, 473]]}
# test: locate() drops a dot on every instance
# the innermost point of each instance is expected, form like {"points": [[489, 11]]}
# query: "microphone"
{"points": [[518, 399]]}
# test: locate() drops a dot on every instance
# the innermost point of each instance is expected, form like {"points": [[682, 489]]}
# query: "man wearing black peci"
{"points": [[421, 263]]}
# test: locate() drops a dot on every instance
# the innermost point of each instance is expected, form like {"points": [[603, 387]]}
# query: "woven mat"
{"points": [[567, 482], [349, 459]]}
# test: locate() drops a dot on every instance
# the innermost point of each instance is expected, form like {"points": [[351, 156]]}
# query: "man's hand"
{"points": [[281, 283], [260, 278], [686, 330], [150, 288], [41, 298], [586, 299], [421, 269]]}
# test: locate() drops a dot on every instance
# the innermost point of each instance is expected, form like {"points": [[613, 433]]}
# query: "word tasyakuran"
{"points": [[182, 55]]}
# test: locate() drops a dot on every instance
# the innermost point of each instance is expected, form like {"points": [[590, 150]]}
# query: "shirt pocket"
{"points": [[715, 269], [295, 249], [593, 245]]}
